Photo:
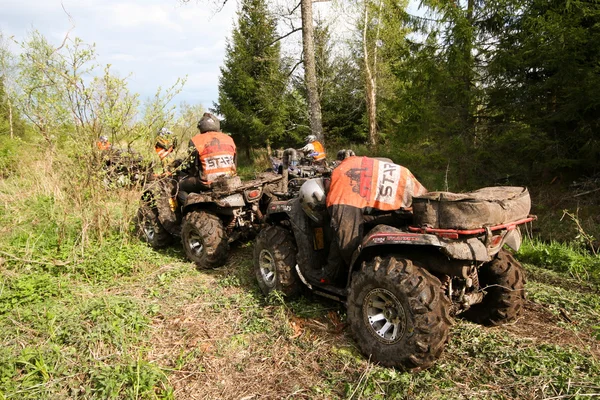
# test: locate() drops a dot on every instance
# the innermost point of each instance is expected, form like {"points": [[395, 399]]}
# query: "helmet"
{"points": [[310, 138], [103, 139], [209, 123], [164, 132], [165, 139], [343, 154], [312, 199]]}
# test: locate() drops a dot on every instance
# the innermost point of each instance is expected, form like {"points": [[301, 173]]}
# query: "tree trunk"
{"points": [[310, 74], [371, 76]]}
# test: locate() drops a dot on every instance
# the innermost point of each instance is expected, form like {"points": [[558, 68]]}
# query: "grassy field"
{"points": [[165, 330], [88, 311]]}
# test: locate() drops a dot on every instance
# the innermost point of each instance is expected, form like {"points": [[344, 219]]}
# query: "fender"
{"points": [[231, 201], [280, 207], [291, 210], [471, 249]]}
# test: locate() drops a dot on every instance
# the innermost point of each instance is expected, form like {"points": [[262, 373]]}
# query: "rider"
{"points": [[164, 146], [361, 190], [103, 143], [212, 154], [343, 154], [314, 148]]}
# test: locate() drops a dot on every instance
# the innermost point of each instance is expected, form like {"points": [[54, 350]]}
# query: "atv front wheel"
{"points": [[275, 260], [398, 313], [503, 280], [149, 228], [204, 239]]}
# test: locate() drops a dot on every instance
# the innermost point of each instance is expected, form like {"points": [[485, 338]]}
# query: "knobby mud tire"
{"points": [[426, 310], [147, 217], [277, 245], [503, 280], [208, 228]]}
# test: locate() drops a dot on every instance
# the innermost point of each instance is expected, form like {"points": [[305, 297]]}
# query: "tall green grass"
{"points": [[568, 258]]}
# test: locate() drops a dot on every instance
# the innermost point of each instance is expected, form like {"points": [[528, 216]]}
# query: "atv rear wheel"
{"points": [[503, 280], [204, 239], [275, 260], [149, 228], [398, 313]]}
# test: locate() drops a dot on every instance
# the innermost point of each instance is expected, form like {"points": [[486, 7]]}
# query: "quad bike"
{"points": [[123, 168], [405, 283], [296, 168], [206, 222]]}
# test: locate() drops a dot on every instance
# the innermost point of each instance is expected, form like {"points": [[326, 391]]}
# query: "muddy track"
{"points": [[540, 325], [209, 345]]}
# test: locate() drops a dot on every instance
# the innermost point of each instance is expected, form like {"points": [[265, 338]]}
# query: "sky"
{"points": [[156, 41]]}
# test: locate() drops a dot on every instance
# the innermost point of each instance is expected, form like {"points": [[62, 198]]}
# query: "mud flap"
{"points": [[514, 239]]}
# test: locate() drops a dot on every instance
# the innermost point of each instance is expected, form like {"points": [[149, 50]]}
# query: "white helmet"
{"points": [[164, 132], [312, 199], [310, 138]]}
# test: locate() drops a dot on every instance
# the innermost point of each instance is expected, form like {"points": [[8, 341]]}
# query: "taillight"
{"points": [[495, 240], [253, 194]]}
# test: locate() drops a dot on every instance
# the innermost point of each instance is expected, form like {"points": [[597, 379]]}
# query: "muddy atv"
{"points": [[296, 168], [123, 168], [207, 222], [406, 281]]}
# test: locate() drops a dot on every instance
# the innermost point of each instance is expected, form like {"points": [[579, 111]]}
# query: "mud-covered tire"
{"points": [[398, 313], [204, 239], [149, 229], [503, 281], [275, 262]]}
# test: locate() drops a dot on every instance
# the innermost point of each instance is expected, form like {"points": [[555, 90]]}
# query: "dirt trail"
{"points": [[212, 353], [542, 326]]}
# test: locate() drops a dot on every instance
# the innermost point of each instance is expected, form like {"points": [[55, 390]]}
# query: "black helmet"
{"points": [[343, 154], [209, 123]]}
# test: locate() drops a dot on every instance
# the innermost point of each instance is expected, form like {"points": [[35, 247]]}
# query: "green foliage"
{"points": [[340, 90], [562, 257], [27, 290], [547, 63], [112, 260], [138, 380], [9, 155]]}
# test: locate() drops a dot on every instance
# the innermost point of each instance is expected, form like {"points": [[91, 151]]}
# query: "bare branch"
{"points": [[284, 36], [295, 66]]}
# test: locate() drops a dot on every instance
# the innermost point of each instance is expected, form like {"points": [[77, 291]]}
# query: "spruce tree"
{"points": [[252, 84]]}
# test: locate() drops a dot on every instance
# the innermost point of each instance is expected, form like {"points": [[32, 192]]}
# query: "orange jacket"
{"points": [[163, 153], [320, 150], [216, 153], [103, 145], [365, 182]]}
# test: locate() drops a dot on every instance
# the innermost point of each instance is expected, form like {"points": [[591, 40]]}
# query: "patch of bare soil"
{"points": [[211, 356], [542, 326]]}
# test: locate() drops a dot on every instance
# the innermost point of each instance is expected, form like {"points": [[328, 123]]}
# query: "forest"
{"points": [[466, 94]]}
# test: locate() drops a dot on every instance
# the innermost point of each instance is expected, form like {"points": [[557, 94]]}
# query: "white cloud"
{"points": [[132, 15], [156, 41]]}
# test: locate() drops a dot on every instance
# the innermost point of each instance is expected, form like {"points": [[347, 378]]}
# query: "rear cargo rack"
{"points": [[455, 232]]}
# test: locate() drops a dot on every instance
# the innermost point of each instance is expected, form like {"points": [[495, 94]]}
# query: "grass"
{"points": [[562, 257], [87, 311]]}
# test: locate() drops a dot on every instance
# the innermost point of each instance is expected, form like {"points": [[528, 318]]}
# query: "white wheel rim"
{"points": [[266, 264], [384, 315]]}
